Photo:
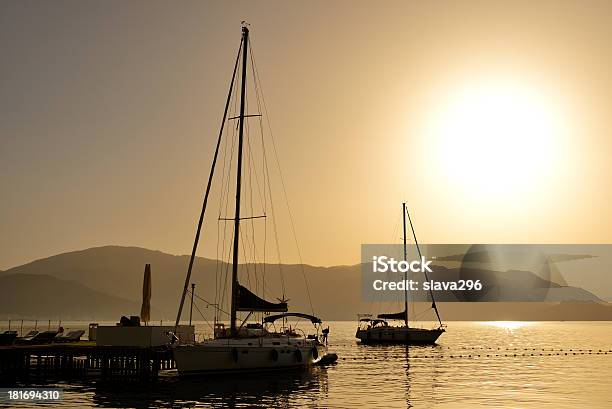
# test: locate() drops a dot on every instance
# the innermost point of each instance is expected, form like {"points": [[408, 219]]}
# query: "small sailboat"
{"points": [[378, 330], [254, 346]]}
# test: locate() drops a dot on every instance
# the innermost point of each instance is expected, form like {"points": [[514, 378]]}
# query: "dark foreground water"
{"points": [[474, 365]]}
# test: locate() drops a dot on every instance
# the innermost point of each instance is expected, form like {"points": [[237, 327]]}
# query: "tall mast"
{"points": [[245, 45], [406, 272]]}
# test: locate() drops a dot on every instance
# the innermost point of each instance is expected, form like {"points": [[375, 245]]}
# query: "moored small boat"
{"points": [[377, 330]]}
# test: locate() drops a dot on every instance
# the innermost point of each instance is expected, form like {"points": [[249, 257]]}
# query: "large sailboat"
{"points": [[268, 344], [378, 330]]}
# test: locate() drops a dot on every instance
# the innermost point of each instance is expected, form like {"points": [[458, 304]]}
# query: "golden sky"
{"points": [[491, 119]]}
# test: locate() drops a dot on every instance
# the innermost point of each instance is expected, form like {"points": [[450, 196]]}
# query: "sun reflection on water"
{"points": [[508, 325]]}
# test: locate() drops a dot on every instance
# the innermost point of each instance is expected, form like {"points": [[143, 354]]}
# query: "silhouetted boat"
{"points": [[37, 338], [8, 337], [377, 330], [254, 346]]}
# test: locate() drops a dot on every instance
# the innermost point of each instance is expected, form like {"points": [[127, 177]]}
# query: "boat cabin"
{"points": [[368, 323]]}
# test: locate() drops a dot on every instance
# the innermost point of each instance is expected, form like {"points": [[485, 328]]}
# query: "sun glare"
{"points": [[496, 139], [508, 325]]}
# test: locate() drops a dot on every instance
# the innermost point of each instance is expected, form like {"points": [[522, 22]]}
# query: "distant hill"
{"points": [[108, 281], [119, 270], [31, 296]]}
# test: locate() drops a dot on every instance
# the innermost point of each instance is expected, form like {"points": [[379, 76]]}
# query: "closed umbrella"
{"points": [[145, 310]]}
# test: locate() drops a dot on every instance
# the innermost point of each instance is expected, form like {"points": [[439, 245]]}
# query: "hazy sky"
{"points": [[491, 119]]}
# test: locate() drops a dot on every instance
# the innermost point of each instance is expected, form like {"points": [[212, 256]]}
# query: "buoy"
{"points": [[315, 353], [235, 354], [274, 354], [298, 355]]}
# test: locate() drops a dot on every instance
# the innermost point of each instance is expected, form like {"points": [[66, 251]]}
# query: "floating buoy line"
{"points": [[490, 352], [490, 355], [438, 347]]}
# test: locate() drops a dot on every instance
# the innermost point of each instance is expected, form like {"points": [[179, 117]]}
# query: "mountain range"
{"points": [[106, 282]]}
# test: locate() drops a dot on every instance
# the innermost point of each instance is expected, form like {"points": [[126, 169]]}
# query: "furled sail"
{"points": [[145, 310], [393, 316], [247, 301]]}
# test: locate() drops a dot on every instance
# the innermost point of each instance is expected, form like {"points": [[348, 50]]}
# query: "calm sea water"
{"points": [[419, 377]]}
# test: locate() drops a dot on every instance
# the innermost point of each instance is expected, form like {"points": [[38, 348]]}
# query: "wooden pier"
{"points": [[82, 361]]}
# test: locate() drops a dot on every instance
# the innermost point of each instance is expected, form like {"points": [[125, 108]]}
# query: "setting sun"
{"points": [[496, 140]]}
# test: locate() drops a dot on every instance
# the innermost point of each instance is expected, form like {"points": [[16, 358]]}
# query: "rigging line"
{"points": [[250, 182], [202, 315], [273, 217], [245, 240], [208, 303], [227, 168], [225, 171], [259, 110], [226, 249], [433, 301], [263, 163], [275, 229], [226, 201], [222, 259], [227, 267], [242, 218], [253, 247], [263, 273], [225, 189], [262, 196], [228, 176], [396, 228], [284, 188], [245, 244], [252, 171], [267, 175], [218, 270], [208, 186], [243, 237]]}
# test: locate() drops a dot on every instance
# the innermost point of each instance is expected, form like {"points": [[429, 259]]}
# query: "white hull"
{"points": [[247, 354], [398, 335]]}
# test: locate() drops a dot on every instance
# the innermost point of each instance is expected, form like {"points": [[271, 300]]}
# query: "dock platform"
{"points": [[82, 361]]}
